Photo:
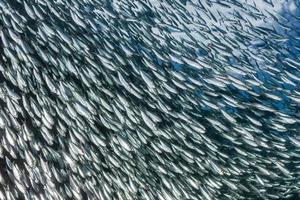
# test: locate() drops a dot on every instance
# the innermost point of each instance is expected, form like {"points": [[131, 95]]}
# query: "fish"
{"points": [[149, 99]]}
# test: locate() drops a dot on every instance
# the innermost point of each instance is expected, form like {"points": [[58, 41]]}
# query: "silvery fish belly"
{"points": [[149, 100]]}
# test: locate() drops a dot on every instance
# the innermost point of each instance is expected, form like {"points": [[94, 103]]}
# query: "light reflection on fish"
{"points": [[149, 99]]}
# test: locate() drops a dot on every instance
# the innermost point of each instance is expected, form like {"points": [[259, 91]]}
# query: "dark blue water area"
{"points": [[177, 66], [202, 52]]}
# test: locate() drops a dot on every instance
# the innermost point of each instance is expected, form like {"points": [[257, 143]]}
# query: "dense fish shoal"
{"points": [[156, 99]]}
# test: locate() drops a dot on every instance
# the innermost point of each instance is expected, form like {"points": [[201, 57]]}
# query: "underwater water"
{"points": [[150, 99]]}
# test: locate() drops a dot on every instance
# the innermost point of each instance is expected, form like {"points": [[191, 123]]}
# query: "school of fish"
{"points": [[149, 99]]}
